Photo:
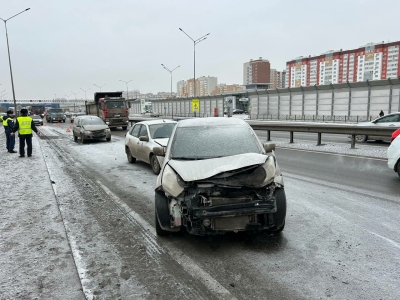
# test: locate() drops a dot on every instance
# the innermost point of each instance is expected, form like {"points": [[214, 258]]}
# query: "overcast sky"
{"points": [[60, 46]]}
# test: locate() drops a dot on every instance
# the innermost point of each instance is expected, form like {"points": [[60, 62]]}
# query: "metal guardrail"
{"points": [[319, 128]]}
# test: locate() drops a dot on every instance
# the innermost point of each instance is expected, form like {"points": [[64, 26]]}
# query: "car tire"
{"points": [[131, 159], [82, 139], [398, 167], [162, 215], [108, 139], [361, 138], [75, 138], [280, 215], [124, 127], [155, 165]]}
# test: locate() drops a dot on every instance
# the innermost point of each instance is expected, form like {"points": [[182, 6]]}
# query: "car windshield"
{"points": [[203, 142], [115, 104], [92, 122], [159, 131]]}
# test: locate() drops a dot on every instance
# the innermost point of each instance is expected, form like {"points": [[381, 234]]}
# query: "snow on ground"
{"points": [[36, 260]]}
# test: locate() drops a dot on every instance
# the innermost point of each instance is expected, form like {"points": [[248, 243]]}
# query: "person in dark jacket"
{"points": [[381, 114], [24, 125], [8, 123]]}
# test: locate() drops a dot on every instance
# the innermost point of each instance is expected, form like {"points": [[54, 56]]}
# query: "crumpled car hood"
{"points": [[162, 142], [192, 170]]}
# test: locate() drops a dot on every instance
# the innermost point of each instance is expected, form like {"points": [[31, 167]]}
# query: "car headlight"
{"points": [[107, 123], [170, 182], [107, 130], [88, 132]]}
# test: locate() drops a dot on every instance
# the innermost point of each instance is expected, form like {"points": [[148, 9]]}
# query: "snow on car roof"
{"points": [[156, 122], [213, 121]]}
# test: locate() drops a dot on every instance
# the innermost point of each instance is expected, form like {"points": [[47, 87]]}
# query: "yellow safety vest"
{"points": [[5, 121], [25, 124]]}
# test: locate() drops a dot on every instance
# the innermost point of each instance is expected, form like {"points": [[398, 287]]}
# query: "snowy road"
{"points": [[341, 239]]}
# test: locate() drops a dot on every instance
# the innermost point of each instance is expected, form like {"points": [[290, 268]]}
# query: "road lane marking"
{"points": [[186, 262], [334, 154]]}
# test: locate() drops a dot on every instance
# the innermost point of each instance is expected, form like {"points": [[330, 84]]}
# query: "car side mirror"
{"points": [[269, 147], [159, 151], [143, 139], [129, 105]]}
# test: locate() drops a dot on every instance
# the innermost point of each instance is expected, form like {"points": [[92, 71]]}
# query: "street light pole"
{"points": [[127, 93], [170, 71], [195, 42], [75, 99], [99, 86], [9, 59], [85, 92]]}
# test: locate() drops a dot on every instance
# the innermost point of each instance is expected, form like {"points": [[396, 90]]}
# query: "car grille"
{"points": [[98, 132]]}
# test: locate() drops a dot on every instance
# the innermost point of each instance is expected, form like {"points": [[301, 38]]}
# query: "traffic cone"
{"points": [[59, 124]]}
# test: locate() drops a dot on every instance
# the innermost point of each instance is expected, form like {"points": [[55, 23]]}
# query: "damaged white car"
{"points": [[217, 177]]}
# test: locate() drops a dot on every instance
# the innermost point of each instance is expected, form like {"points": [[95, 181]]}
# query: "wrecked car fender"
{"points": [[169, 182]]}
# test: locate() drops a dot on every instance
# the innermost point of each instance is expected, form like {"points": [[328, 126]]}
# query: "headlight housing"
{"points": [[88, 132], [170, 182], [107, 130]]}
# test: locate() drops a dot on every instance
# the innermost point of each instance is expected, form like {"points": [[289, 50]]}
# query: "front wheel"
{"points": [[124, 127], [280, 215], [75, 138], [155, 165], [131, 159], [82, 139], [361, 138], [108, 139]]}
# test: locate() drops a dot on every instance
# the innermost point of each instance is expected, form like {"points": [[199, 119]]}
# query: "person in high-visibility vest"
{"points": [[24, 125], [8, 123]]}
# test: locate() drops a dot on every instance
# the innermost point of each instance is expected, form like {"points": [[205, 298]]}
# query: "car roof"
{"points": [[152, 122], [213, 121], [88, 117]]}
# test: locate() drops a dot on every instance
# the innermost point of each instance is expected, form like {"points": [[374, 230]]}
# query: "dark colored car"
{"points": [[238, 111]]}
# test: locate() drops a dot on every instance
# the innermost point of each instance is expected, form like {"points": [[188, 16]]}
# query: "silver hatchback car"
{"points": [[143, 137], [90, 128]]}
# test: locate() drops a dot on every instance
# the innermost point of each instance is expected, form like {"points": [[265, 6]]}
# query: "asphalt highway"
{"points": [[341, 239]]}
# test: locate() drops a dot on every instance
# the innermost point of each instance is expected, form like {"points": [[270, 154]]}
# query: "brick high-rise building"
{"points": [[226, 88], [370, 62], [277, 79], [204, 86], [257, 72]]}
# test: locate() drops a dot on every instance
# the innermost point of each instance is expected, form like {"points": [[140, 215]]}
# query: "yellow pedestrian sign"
{"points": [[195, 105]]}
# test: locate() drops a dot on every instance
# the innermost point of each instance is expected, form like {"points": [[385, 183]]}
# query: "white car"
{"points": [[143, 137], [393, 154], [218, 177], [391, 120]]}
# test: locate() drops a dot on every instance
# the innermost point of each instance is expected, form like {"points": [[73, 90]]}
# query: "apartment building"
{"points": [[256, 72], [226, 88], [374, 61], [204, 86], [277, 79]]}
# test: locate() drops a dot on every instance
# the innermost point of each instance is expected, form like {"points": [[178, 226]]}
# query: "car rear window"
{"points": [[203, 142]]}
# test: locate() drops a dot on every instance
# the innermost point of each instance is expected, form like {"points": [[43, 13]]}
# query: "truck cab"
{"points": [[111, 108]]}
